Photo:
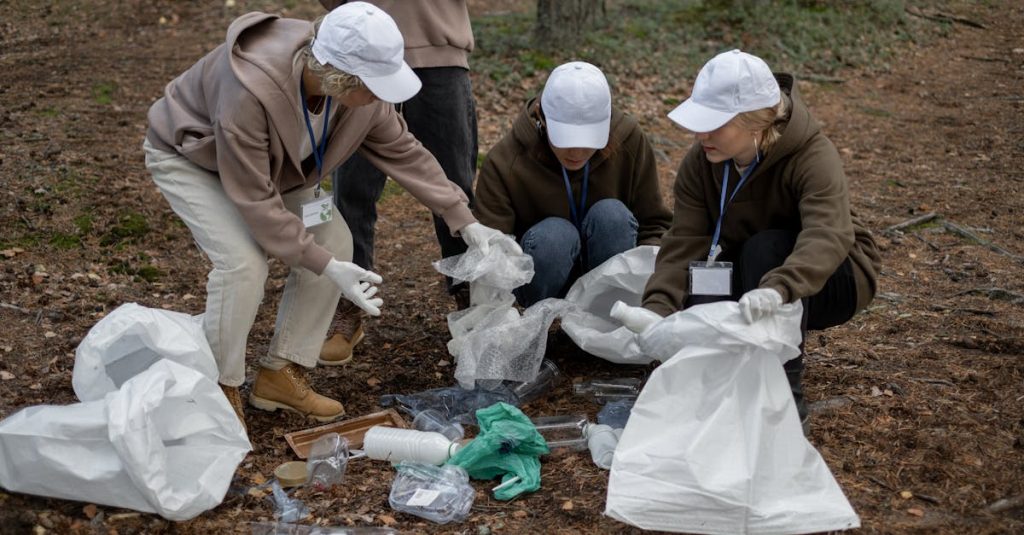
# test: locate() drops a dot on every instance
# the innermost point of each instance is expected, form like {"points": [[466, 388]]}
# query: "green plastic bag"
{"points": [[509, 446]]}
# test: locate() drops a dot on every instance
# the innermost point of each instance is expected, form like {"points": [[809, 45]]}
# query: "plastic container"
{"points": [[328, 459], [604, 390], [392, 444], [432, 421], [563, 432], [548, 376], [291, 473], [440, 494], [602, 440]]}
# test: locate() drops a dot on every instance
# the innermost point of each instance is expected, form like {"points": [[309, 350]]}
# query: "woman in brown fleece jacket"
{"points": [[762, 189], [575, 181]]}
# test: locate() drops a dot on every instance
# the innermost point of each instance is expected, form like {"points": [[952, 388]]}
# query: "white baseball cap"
{"points": [[731, 83], [360, 39], [577, 106]]}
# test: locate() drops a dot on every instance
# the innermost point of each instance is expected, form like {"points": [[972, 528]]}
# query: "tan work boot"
{"points": [[345, 332], [235, 399], [287, 389]]}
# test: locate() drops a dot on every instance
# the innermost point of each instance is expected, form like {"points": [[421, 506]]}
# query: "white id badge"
{"points": [[316, 211], [710, 278]]}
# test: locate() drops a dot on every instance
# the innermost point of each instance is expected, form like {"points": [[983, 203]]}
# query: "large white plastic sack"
{"points": [[132, 338], [166, 442], [714, 443], [589, 324]]}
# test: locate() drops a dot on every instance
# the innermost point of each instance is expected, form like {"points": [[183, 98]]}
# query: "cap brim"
{"points": [[697, 118], [396, 87], [585, 136]]}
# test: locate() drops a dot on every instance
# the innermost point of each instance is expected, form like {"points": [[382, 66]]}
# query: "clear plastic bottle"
{"points": [[605, 390], [432, 421], [394, 444], [548, 376], [563, 431]]}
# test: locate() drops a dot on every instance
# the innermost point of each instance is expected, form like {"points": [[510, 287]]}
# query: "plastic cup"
{"points": [[547, 377]]}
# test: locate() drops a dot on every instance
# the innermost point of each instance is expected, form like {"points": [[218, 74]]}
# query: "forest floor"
{"points": [[917, 403]]}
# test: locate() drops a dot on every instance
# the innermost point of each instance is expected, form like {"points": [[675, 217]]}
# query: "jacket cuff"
{"points": [[457, 217], [315, 258]]}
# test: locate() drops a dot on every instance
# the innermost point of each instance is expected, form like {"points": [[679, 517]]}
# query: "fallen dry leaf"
{"points": [[373, 381], [567, 506], [520, 514], [915, 511], [90, 511], [259, 478], [6, 375], [387, 520], [906, 494]]}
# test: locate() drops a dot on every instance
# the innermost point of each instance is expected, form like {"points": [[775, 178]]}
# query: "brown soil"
{"points": [[921, 393]]}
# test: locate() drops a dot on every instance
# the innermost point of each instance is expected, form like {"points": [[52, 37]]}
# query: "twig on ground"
{"points": [[1006, 504], [913, 222], [879, 482], [939, 16], [930, 245], [995, 293], [957, 229], [15, 307], [926, 498], [978, 311], [983, 58], [942, 382]]}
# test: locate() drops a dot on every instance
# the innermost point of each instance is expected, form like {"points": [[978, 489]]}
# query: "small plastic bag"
{"points": [[615, 414], [328, 459], [286, 509], [440, 494]]}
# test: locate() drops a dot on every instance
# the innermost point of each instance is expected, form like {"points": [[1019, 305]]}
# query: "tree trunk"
{"points": [[559, 21]]}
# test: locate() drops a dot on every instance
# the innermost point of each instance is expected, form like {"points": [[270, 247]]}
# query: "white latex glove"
{"points": [[357, 285], [636, 319], [479, 236], [759, 303]]}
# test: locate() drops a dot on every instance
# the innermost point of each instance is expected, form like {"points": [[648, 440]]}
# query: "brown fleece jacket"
{"points": [[799, 185], [521, 181]]}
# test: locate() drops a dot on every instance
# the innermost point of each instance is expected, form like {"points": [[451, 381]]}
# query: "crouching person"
{"points": [[575, 181], [239, 144]]}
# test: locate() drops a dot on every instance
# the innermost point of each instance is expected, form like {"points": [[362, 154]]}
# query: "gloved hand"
{"points": [[357, 285], [759, 303], [636, 319], [477, 235]]}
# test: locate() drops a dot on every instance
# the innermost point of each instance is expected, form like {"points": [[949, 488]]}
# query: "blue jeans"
{"points": [[560, 256], [442, 116]]}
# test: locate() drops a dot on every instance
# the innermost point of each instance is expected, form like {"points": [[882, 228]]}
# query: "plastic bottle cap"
{"points": [[291, 473]]}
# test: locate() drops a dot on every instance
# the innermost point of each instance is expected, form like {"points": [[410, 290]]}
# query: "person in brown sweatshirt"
{"points": [[238, 145], [575, 181], [763, 189], [438, 40]]}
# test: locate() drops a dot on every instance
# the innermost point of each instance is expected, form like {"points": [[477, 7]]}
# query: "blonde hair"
{"points": [[334, 82], [769, 121]]}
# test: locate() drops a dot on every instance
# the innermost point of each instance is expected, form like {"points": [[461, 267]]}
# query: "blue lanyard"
{"points": [[577, 214], [722, 205], [318, 149]]}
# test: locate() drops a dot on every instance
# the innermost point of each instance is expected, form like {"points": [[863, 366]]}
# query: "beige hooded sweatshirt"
{"points": [[236, 112]]}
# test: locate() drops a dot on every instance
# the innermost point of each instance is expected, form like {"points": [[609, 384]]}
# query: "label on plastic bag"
{"points": [[423, 497]]}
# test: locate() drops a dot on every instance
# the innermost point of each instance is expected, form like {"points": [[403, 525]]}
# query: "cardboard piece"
{"points": [[352, 429]]}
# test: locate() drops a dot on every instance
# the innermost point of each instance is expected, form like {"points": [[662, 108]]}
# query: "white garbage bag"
{"points": [[589, 324], [167, 442], [714, 443], [132, 338]]}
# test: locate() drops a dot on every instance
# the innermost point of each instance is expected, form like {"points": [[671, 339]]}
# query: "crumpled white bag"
{"points": [[589, 324], [714, 443], [132, 338], [167, 442]]}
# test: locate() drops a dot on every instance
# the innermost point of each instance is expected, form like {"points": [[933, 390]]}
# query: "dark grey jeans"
{"points": [[442, 116]]}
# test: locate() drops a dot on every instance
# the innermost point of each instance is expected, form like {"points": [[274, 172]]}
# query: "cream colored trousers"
{"points": [[234, 287]]}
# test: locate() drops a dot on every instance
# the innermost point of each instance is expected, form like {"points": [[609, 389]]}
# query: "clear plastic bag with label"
{"points": [[440, 494]]}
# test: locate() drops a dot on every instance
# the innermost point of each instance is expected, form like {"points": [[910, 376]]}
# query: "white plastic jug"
{"points": [[395, 444]]}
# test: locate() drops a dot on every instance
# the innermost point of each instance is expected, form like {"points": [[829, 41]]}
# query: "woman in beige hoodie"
{"points": [[239, 144]]}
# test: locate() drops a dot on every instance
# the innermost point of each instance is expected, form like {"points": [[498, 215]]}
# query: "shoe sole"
{"points": [[351, 354], [272, 406]]}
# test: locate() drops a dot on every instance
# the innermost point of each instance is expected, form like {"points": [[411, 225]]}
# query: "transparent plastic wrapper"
{"points": [[714, 443], [589, 323], [165, 442], [605, 390], [500, 268], [129, 340], [454, 403], [286, 508], [328, 459], [286, 528], [433, 421], [615, 414], [440, 494], [567, 432]]}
